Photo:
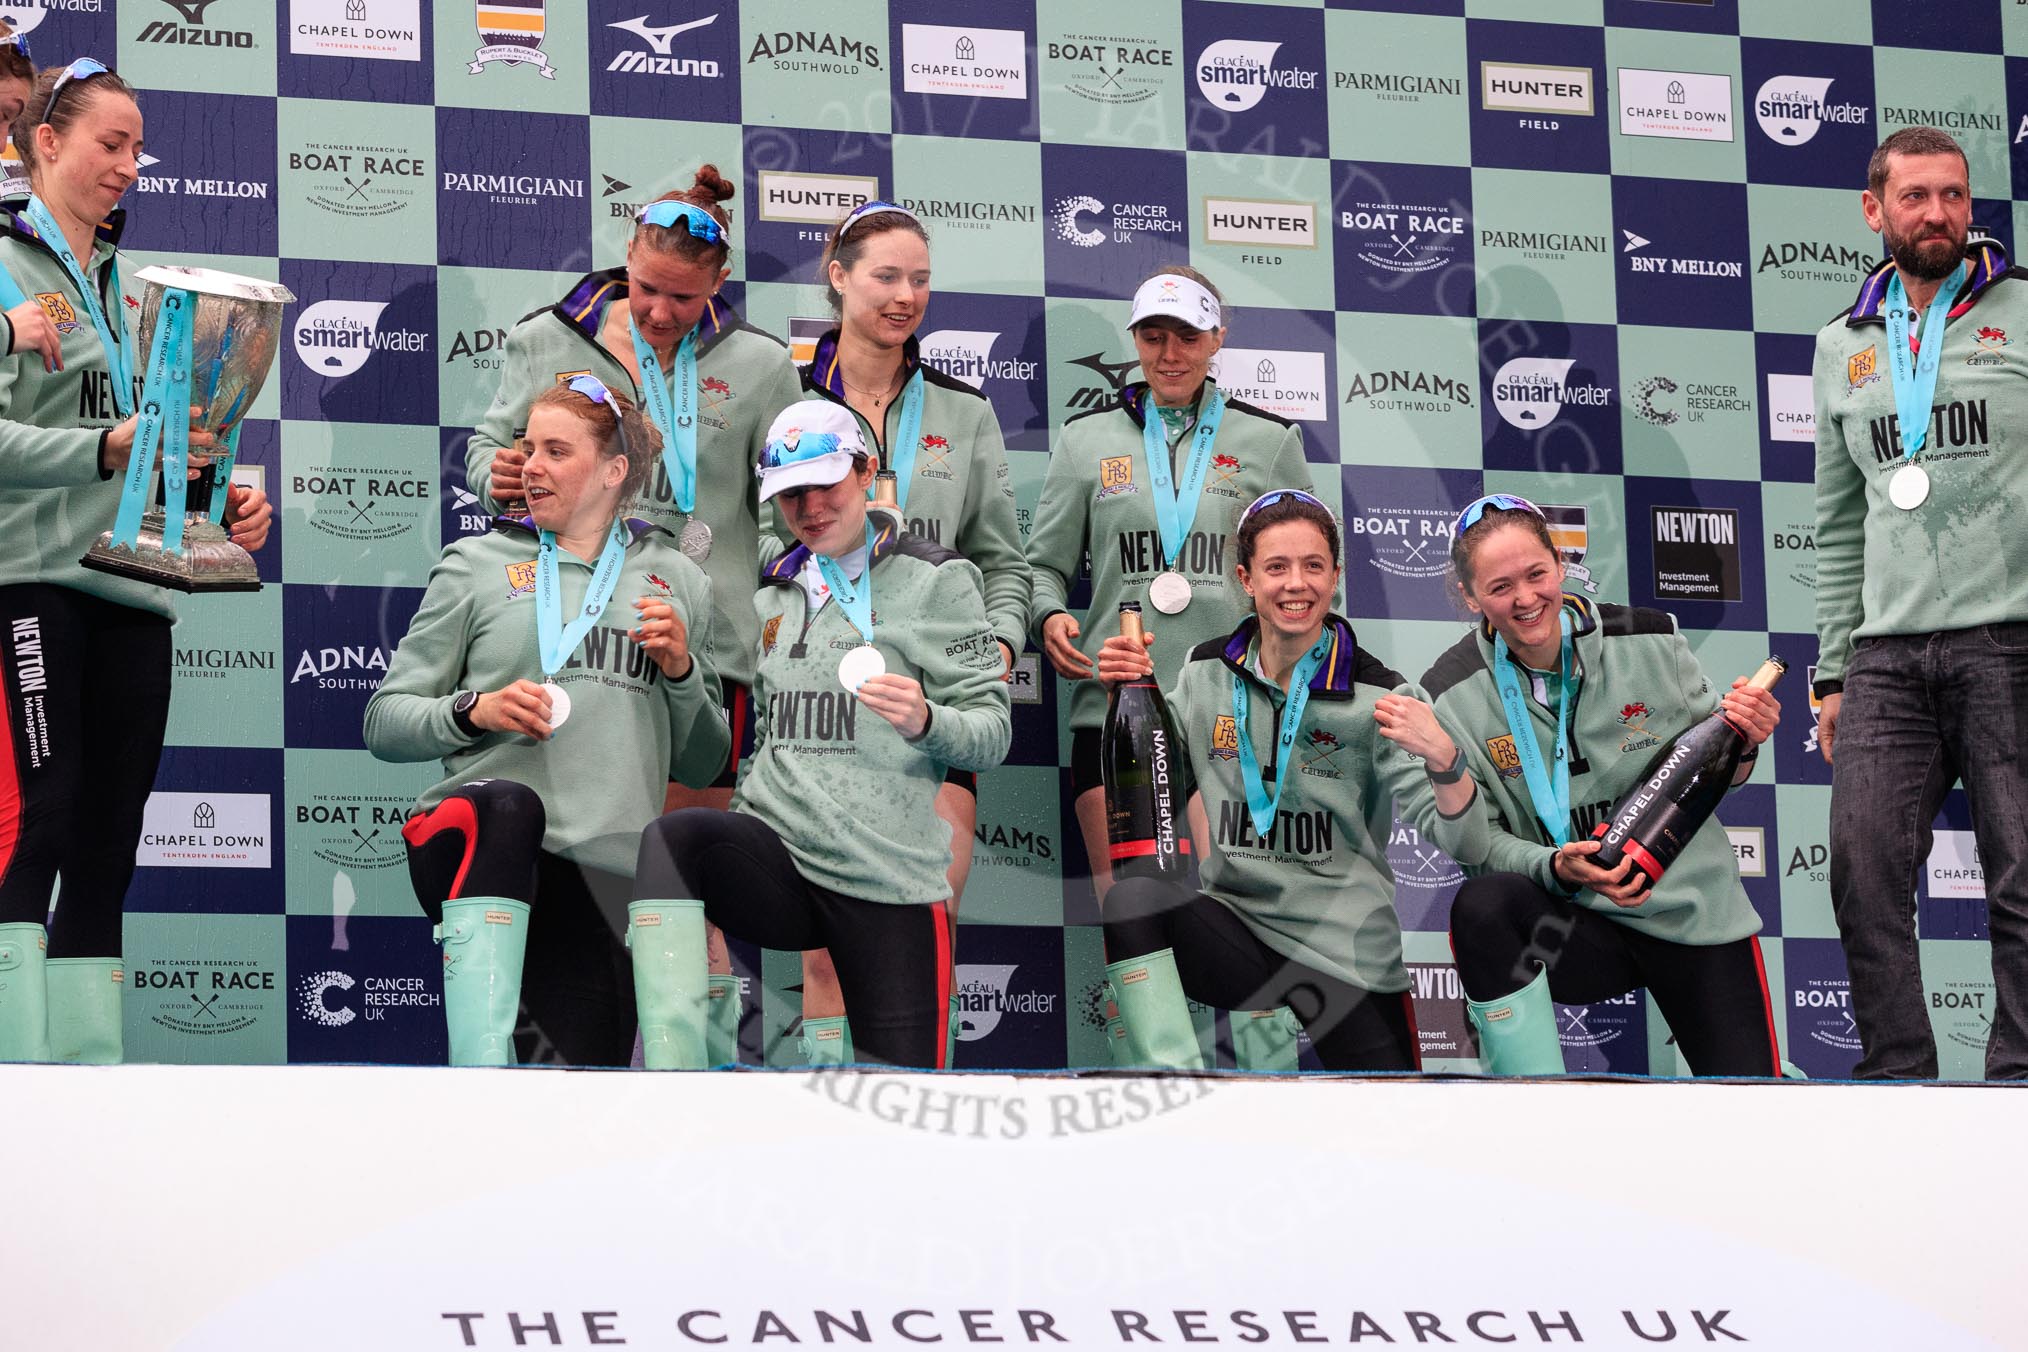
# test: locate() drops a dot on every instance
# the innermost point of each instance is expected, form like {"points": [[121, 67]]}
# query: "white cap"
{"points": [[1168, 295], [811, 442]]}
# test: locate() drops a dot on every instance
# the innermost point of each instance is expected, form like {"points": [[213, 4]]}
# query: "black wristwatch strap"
{"points": [[461, 713], [1450, 776]]}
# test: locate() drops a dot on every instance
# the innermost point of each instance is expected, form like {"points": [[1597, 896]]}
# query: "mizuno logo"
{"points": [[659, 38]]}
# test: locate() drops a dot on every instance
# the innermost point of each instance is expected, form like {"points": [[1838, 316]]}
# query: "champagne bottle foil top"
{"points": [[1130, 620], [1770, 671]]}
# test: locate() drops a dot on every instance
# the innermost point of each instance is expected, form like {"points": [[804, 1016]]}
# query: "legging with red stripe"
{"points": [[1505, 928], [86, 687], [1223, 963], [893, 960], [485, 840]]}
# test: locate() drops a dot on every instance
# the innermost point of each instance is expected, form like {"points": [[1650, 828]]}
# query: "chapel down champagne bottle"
{"points": [[1678, 791], [1141, 763]]}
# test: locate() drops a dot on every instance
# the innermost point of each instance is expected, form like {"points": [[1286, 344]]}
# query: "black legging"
{"points": [[893, 960], [1504, 927], [86, 685], [577, 983], [1222, 963]]}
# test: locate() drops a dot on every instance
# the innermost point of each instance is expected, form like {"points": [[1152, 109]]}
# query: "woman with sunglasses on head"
{"points": [[86, 676], [1558, 706], [657, 329], [556, 668], [1149, 488], [878, 672], [941, 439], [1300, 744]]}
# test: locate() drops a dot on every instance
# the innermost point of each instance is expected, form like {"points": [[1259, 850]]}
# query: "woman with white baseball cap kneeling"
{"points": [[878, 672]]}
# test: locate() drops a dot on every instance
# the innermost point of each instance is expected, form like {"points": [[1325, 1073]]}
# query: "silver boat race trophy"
{"points": [[211, 339]]}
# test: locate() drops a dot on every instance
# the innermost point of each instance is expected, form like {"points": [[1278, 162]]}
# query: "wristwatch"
{"points": [[1452, 775], [461, 714]]}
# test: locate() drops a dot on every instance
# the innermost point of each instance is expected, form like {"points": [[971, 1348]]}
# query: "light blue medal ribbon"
{"points": [[855, 601], [165, 417], [555, 641], [901, 452], [1259, 803], [1915, 374], [1551, 791], [677, 424], [119, 360], [1171, 515]]}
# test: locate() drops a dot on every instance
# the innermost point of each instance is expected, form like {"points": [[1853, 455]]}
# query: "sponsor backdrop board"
{"points": [[1576, 251]]}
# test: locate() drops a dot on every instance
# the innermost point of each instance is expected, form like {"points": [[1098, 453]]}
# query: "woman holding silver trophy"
{"points": [[556, 668], [86, 673]]}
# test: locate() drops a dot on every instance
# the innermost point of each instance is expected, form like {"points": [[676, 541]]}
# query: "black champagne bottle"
{"points": [[1678, 791], [1141, 762]]}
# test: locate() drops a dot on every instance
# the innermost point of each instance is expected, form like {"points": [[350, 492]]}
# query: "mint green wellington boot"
{"points": [[484, 940], [1265, 1039], [84, 1010], [721, 1019], [1517, 1034], [1160, 1034], [827, 1041], [24, 993], [671, 983]]}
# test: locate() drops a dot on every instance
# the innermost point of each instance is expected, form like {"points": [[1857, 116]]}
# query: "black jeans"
{"points": [[894, 961], [86, 685], [1223, 964], [1504, 927], [1919, 714]]}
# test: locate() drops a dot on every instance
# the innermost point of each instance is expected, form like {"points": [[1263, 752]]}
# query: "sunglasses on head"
{"points": [[1269, 499], [592, 388], [81, 69], [1506, 502], [699, 222]]}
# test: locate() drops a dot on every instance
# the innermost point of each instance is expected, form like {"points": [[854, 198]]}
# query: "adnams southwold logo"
{"points": [[360, 181], [1112, 68], [375, 30], [352, 667], [1087, 221], [967, 355], [1407, 390], [657, 55], [810, 52], [1531, 392], [1508, 87], [1791, 109], [982, 63], [813, 199], [1286, 384], [1235, 74], [194, 30], [335, 338], [1676, 105]]}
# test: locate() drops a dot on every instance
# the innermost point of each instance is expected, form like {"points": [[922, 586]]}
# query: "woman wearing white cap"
{"points": [[878, 672], [1152, 488]]}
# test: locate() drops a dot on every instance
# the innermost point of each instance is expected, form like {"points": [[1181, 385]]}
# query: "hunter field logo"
{"points": [[814, 199], [1116, 475], [1505, 758], [1275, 224], [510, 33], [1505, 87], [1862, 369], [1224, 738]]}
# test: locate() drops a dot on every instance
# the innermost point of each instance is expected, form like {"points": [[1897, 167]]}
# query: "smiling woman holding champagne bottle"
{"points": [[1300, 744], [1560, 707]]}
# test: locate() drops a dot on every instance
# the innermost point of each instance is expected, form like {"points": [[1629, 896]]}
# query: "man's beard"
{"points": [[1923, 261]]}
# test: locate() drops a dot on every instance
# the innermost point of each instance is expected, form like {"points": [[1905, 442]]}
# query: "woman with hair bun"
{"points": [[559, 724], [710, 382], [1301, 744]]}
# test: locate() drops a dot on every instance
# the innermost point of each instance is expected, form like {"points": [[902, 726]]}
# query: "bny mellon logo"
{"points": [[1634, 242]]}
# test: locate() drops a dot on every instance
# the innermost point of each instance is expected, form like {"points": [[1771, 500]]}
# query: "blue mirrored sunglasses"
{"points": [[1506, 502], [81, 69], [695, 219], [592, 388], [1269, 499]]}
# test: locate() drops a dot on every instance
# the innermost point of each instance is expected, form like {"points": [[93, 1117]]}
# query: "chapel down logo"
{"points": [[510, 32]]}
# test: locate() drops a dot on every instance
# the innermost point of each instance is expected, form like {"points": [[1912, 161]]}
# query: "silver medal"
{"points": [[695, 541], [859, 666], [1169, 592], [559, 704], [1909, 488]]}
